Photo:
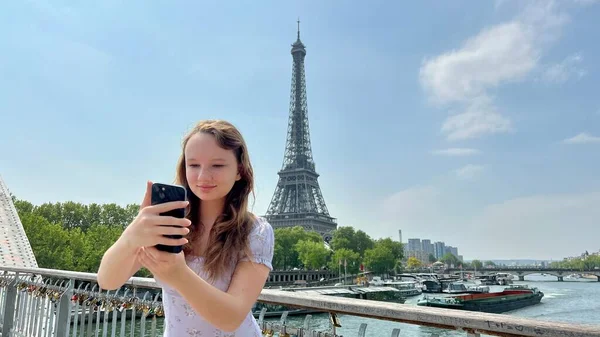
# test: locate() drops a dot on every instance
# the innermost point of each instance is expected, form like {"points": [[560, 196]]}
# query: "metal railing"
{"points": [[46, 302]]}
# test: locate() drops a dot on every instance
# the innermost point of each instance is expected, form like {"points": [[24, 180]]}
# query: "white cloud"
{"points": [[582, 138], [456, 152], [479, 118], [537, 224], [497, 55], [561, 72], [469, 172]]}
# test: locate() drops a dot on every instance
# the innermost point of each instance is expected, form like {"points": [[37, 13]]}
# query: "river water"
{"points": [[569, 301]]}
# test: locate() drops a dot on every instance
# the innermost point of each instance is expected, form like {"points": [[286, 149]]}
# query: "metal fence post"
{"points": [[9, 306], [63, 317]]}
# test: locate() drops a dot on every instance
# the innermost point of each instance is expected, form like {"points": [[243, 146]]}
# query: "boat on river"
{"points": [[374, 293], [511, 298]]}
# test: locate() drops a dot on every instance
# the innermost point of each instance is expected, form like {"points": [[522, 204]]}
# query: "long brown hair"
{"points": [[228, 238]]}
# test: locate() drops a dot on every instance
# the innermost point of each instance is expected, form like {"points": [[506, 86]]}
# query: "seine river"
{"points": [[569, 301]]}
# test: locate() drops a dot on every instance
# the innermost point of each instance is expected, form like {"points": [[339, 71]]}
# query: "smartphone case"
{"points": [[162, 193]]}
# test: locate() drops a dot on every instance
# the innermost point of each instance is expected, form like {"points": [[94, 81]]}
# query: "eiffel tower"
{"points": [[298, 200]]}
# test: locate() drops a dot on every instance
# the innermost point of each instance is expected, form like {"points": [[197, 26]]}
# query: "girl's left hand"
{"points": [[167, 267]]}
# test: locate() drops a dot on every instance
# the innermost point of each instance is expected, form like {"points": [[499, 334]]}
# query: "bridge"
{"points": [[45, 302], [523, 271]]}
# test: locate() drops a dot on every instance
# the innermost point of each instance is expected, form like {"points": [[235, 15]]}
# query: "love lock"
{"points": [[283, 332]]}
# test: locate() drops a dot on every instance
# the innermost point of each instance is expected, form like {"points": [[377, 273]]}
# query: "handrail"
{"points": [[493, 324], [471, 322], [145, 282]]}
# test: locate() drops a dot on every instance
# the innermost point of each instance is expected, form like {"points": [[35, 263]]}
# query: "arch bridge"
{"points": [[521, 272]]}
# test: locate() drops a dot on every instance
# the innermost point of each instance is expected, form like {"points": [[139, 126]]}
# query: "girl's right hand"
{"points": [[148, 227]]}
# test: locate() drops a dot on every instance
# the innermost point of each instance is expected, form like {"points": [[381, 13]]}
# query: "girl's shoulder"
{"points": [[260, 223], [261, 229], [261, 241]]}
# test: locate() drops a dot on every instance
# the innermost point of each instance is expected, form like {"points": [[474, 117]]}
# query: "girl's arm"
{"points": [[224, 310], [118, 264]]}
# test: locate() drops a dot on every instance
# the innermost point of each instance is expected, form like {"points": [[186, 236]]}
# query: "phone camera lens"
{"points": [[161, 195]]}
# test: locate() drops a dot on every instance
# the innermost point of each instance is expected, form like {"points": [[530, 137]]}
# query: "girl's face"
{"points": [[211, 171]]}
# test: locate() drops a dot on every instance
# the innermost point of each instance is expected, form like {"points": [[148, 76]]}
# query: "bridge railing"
{"points": [[46, 302]]}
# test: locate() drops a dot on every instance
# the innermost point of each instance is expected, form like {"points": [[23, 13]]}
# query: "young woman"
{"points": [[210, 287]]}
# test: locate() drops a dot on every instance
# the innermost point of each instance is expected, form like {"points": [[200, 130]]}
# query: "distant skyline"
{"points": [[475, 123]]}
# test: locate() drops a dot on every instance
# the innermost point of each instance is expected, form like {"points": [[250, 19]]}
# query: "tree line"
{"points": [[585, 262], [74, 236], [348, 250], [448, 259]]}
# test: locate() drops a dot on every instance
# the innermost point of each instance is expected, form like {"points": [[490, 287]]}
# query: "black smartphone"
{"points": [[162, 193]]}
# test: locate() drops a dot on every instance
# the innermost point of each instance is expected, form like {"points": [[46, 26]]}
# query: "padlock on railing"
{"points": [[270, 332], [283, 331]]}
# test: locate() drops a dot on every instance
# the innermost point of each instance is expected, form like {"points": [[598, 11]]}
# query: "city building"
{"points": [[414, 245], [427, 247], [422, 248], [439, 250]]}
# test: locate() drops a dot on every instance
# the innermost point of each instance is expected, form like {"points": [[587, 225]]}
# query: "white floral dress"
{"points": [[180, 318]]}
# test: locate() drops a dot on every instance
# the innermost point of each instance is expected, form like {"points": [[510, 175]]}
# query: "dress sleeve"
{"points": [[262, 243]]}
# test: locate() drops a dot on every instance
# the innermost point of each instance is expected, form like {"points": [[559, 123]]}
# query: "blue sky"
{"points": [[474, 123]]}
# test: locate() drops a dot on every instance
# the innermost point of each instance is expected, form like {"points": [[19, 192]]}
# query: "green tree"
{"points": [[76, 215], [583, 263], [115, 215], [99, 238], [489, 263], [313, 255], [51, 212], [476, 264], [79, 245], [394, 246], [73, 215], [352, 260], [285, 255], [343, 238], [22, 206], [380, 259], [432, 258], [450, 259], [398, 267], [346, 237], [49, 243], [363, 242], [594, 262]]}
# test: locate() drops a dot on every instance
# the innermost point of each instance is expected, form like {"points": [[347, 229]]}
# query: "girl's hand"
{"points": [[148, 228], [166, 267]]}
